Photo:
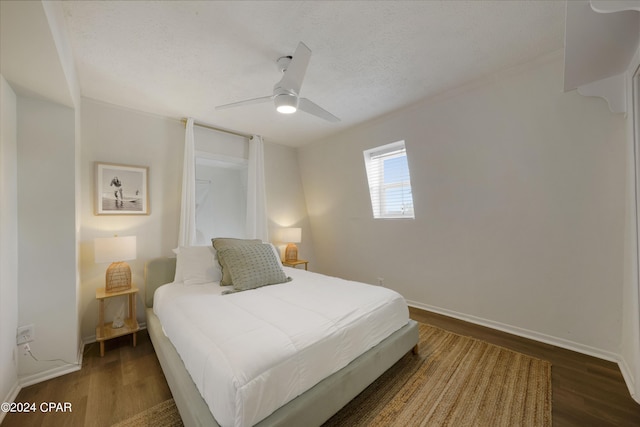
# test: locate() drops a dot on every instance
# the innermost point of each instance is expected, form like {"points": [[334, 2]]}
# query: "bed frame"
{"points": [[313, 407]]}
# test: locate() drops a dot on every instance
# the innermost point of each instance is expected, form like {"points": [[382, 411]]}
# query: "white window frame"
{"points": [[374, 159]]}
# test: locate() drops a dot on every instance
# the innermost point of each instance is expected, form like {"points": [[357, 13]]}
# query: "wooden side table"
{"points": [[296, 262], [106, 332]]}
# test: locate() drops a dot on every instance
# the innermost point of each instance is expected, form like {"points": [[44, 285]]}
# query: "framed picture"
{"points": [[122, 189]]}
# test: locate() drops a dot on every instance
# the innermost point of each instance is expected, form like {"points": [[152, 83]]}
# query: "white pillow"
{"points": [[178, 275], [196, 265], [275, 250]]}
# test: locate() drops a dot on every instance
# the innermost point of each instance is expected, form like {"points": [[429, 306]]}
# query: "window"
{"points": [[389, 181], [221, 197]]}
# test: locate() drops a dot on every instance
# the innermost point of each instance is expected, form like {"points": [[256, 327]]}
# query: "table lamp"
{"points": [[291, 236], [116, 250]]}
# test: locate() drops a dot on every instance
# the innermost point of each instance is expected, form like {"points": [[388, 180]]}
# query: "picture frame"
{"points": [[121, 189]]}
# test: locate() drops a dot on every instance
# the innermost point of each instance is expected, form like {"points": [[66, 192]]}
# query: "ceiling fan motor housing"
{"points": [[286, 103], [286, 92]]}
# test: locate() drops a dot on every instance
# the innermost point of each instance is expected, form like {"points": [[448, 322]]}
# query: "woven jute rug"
{"points": [[164, 414], [453, 381]]}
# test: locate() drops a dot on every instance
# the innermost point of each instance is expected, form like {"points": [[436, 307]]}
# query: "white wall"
{"points": [[630, 331], [36, 61], [117, 135], [519, 199], [285, 199], [47, 232], [8, 243]]}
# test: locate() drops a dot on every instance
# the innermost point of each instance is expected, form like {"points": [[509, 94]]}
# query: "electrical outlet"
{"points": [[25, 334], [26, 349], [380, 281]]}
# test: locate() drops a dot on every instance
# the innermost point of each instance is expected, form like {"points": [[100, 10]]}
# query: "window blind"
{"points": [[389, 181]]}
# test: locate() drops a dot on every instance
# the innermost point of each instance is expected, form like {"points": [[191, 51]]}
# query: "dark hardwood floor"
{"points": [[586, 391]]}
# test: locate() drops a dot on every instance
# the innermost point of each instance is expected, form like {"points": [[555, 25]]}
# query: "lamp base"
{"points": [[291, 252], [118, 277]]}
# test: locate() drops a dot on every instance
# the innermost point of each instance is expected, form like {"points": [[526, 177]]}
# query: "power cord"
{"points": [[27, 348]]}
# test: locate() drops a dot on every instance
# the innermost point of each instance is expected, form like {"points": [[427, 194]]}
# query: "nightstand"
{"points": [[296, 262], [106, 332]]}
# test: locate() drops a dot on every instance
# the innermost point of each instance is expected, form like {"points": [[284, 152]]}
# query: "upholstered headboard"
{"points": [[157, 272]]}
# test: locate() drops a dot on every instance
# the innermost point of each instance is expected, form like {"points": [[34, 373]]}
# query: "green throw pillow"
{"points": [[221, 243], [252, 266]]}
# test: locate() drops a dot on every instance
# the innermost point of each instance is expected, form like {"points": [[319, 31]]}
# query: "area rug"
{"points": [[164, 414], [453, 381]]}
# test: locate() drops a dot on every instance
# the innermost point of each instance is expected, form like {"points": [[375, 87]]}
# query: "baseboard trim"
{"points": [[521, 332], [54, 372], [10, 397], [39, 377], [80, 356], [628, 378], [28, 380], [58, 371]]}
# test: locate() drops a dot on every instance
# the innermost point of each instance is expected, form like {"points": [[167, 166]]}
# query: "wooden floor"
{"points": [[586, 391], [107, 390]]}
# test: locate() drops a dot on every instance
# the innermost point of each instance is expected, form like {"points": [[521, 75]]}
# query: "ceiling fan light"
{"points": [[286, 104], [286, 109]]}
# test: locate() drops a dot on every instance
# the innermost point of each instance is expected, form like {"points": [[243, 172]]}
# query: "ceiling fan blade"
{"points": [[312, 108], [294, 74], [245, 102]]}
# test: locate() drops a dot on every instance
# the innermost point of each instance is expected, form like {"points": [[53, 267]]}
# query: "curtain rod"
{"points": [[232, 132]]}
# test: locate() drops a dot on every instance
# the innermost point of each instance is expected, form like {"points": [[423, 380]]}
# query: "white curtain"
{"points": [[256, 225], [203, 193], [187, 232]]}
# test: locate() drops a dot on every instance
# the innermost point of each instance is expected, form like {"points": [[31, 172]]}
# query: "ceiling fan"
{"points": [[286, 92]]}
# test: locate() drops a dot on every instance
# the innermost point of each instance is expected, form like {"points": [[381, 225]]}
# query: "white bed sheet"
{"points": [[251, 352]]}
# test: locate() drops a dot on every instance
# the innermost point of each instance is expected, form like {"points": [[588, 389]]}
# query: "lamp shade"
{"points": [[292, 235], [113, 249]]}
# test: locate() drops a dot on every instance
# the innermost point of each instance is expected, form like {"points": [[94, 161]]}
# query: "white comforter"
{"points": [[251, 352]]}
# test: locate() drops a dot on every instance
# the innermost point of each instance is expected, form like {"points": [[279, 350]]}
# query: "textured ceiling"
{"points": [[182, 58]]}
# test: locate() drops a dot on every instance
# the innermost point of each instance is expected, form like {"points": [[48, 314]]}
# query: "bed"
{"points": [[310, 401]]}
